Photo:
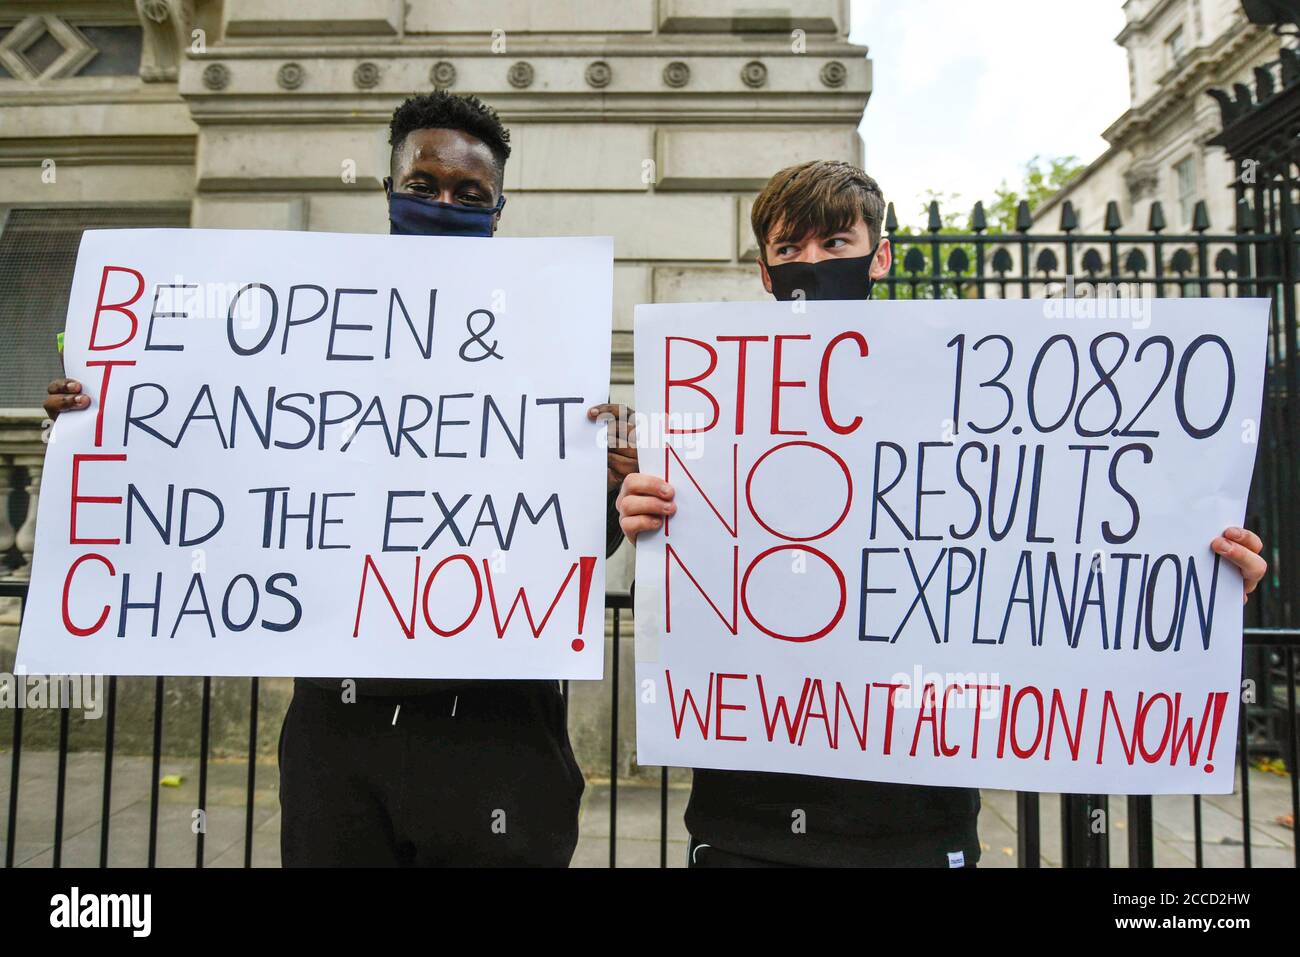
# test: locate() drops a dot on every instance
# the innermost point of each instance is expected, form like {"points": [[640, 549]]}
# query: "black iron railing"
{"points": [[1081, 843]]}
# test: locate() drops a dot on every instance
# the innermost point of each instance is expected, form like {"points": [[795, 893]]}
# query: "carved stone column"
{"points": [[7, 533], [26, 537]]}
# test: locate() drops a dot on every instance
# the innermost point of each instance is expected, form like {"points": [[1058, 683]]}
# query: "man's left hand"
{"points": [[621, 458], [1241, 546]]}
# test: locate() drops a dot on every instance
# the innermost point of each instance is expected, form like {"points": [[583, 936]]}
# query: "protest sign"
{"points": [[327, 455], [947, 542]]}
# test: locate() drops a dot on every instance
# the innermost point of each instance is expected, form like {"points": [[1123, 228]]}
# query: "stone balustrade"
{"points": [[22, 455]]}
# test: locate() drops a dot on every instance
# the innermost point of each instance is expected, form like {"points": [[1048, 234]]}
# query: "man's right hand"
{"points": [[643, 503], [65, 395]]}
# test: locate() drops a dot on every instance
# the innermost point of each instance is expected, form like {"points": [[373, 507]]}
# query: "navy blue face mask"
{"points": [[410, 214]]}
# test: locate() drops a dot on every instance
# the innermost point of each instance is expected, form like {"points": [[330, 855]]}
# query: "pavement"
{"points": [[638, 819]]}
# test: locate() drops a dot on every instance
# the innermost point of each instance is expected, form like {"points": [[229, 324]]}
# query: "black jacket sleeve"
{"points": [[613, 531]]}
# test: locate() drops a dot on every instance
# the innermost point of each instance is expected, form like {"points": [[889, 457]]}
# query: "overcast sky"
{"points": [[965, 92]]}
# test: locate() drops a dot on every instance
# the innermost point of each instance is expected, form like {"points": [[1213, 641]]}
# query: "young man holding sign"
{"points": [[818, 230], [379, 772]]}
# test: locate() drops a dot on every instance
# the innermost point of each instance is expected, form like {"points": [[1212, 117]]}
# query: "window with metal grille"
{"points": [[119, 51], [38, 254]]}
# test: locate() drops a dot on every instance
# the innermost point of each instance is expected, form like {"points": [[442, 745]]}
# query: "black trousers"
{"points": [[705, 855], [481, 775]]}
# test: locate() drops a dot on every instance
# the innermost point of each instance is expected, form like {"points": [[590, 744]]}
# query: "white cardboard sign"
{"points": [[947, 542], [327, 455]]}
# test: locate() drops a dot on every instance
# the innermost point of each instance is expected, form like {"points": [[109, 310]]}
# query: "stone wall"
{"points": [[654, 121]]}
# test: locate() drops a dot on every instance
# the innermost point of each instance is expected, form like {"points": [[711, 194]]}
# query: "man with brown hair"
{"points": [[818, 228]]}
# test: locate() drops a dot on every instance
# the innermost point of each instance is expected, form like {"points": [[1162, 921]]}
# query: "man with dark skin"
{"points": [[432, 772], [818, 229]]}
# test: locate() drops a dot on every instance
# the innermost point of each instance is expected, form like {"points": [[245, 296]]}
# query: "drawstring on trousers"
{"points": [[454, 702]]}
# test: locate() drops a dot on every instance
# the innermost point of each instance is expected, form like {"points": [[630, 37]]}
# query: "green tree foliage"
{"points": [[1040, 184], [1043, 178]]}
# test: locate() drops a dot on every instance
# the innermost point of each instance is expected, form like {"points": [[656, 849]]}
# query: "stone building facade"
{"points": [[1177, 50], [654, 121]]}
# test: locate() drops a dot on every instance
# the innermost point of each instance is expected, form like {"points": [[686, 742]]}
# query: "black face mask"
{"points": [[828, 279]]}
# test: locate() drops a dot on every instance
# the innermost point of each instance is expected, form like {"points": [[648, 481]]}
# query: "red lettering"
{"points": [[1015, 724], [718, 735], [478, 596], [521, 598], [979, 703], [889, 711], [103, 392], [78, 499], [692, 382], [1128, 747], [825, 386], [408, 626], [670, 554], [671, 453], [821, 632], [1072, 741], [778, 384], [781, 711], [741, 356], [859, 733], [848, 492], [67, 587], [688, 699], [119, 307], [825, 718]]}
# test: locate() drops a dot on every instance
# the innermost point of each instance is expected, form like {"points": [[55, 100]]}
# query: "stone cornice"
{"points": [[1198, 73], [635, 87], [531, 45], [100, 151], [792, 110], [106, 12], [1143, 23], [70, 92]]}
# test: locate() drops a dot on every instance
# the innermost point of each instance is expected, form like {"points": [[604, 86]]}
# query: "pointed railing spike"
{"points": [[1228, 108], [1023, 218], [891, 221], [1200, 217], [1156, 221], [978, 221], [1290, 66], [936, 221], [1263, 84], [1069, 221], [1245, 217], [1113, 223]]}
